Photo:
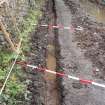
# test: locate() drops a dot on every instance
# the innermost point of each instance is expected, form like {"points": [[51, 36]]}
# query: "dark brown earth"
{"points": [[78, 54], [36, 86], [91, 39], [40, 84], [82, 52]]}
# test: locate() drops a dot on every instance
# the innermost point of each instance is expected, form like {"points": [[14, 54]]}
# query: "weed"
{"points": [[15, 90]]}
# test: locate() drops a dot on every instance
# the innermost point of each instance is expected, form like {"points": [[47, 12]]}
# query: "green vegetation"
{"points": [[14, 86], [28, 25], [15, 90]]}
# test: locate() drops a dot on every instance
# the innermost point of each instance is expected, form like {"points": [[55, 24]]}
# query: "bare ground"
{"points": [[81, 53], [37, 56]]}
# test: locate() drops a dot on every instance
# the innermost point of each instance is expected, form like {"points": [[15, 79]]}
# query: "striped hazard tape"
{"points": [[61, 74], [50, 26]]}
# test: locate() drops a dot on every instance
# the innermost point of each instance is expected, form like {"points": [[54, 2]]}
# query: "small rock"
{"points": [[77, 85]]}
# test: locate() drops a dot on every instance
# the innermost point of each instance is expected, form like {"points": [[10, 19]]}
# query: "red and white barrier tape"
{"points": [[83, 81], [79, 28]]}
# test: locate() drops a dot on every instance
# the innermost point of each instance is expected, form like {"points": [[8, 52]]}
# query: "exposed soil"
{"points": [[91, 40], [43, 87], [79, 54], [82, 52]]}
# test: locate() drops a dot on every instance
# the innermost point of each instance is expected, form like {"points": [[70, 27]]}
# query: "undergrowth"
{"points": [[15, 91], [27, 26]]}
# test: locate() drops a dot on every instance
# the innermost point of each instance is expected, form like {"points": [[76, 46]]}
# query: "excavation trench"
{"points": [[44, 86], [52, 94], [46, 47], [71, 57]]}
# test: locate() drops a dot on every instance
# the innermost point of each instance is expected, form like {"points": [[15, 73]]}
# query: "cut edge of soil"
{"points": [[38, 51]]}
